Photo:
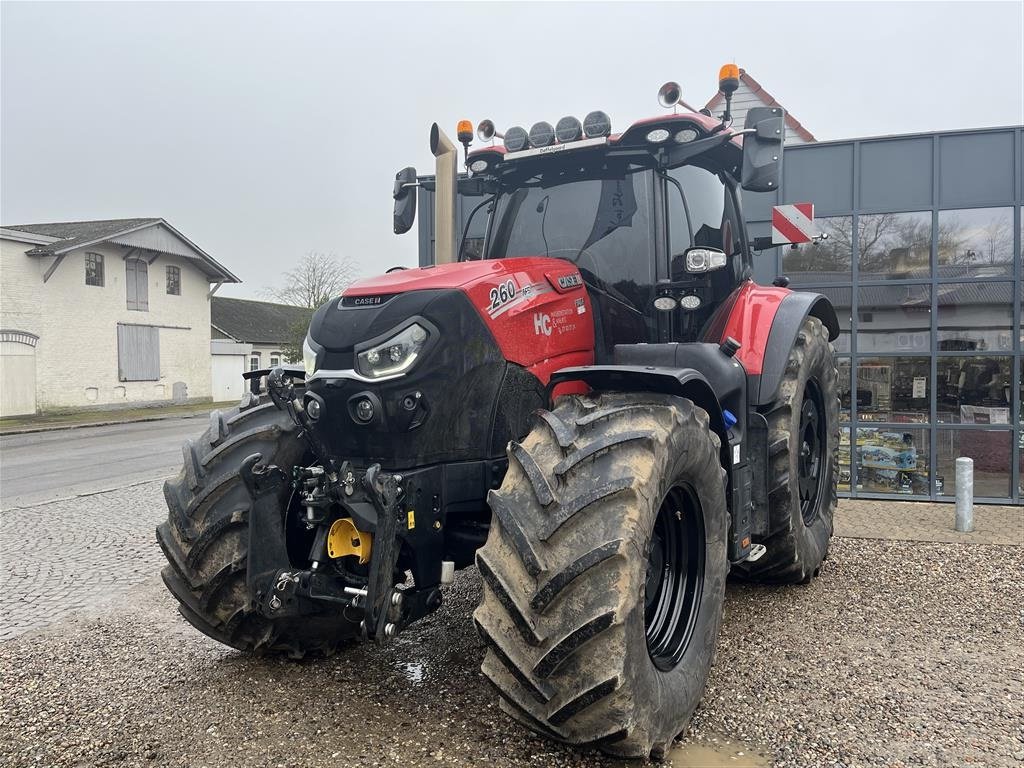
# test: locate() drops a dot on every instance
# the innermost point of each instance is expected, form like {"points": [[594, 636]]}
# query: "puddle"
{"points": [[715, 753], [413, 671]]}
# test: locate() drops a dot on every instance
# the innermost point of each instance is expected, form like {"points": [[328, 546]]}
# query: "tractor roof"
{"points": [[634, 137]]}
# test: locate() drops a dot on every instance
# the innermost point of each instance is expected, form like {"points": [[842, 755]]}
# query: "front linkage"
{"points": [[354, 517]]}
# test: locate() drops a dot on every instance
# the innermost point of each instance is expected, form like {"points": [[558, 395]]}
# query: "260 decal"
{"points": [[502, 294]]}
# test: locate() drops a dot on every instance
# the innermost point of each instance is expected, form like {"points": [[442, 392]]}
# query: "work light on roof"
{"points": [[568, 129], [516, 138], [597, 123], [542, 134]]}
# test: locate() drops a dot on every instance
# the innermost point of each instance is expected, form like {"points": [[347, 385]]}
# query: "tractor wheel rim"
{"points": [[811, 456], [675, 577]]}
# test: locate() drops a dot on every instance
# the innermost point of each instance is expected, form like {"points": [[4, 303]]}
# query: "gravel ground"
{"points": [[900, 654]]}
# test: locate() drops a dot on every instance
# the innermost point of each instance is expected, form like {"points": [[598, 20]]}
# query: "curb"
{"points": [[57, 427]]}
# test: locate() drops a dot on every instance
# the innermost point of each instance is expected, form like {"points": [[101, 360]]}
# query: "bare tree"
{"points": [[316, 279]]}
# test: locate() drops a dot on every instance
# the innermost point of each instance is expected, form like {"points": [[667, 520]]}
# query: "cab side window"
{"points": [[708, 217]]}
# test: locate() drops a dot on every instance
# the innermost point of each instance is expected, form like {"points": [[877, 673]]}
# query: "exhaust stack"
{"points": [[447, 156]]}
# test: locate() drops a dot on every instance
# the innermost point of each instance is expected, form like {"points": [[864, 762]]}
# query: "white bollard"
{"points": [[964, 494]]}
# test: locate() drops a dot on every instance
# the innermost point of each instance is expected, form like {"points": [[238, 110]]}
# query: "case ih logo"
{"points": [[570, 281], [362, 301]]}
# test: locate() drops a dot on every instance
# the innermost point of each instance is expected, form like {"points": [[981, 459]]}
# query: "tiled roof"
{"points": [[257, 322]]}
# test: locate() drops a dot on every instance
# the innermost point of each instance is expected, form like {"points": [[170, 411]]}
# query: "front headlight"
{"points": [[394, 356], [308, 357]]}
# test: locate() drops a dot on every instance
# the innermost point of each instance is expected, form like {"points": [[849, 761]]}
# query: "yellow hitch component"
{"points": [[345, 539]]}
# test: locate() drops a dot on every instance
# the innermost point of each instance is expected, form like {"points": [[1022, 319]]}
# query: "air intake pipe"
{"points": [[444, 195]]}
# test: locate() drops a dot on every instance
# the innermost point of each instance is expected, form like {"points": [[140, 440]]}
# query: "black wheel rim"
{"points": [[811, 452], [675, 577]]}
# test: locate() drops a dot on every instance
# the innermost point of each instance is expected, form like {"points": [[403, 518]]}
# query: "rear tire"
{"points": [[803, 447], [579, 646], [205, 538]]}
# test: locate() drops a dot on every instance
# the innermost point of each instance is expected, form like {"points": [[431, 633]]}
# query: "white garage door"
{"points": [[227, 377], [17, 373]]}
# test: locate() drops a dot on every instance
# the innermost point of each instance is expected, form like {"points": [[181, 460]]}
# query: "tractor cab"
{"points": [[651, 217]]}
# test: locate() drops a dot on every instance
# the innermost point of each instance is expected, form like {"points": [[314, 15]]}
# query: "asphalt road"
{"points": [[40, 467]]}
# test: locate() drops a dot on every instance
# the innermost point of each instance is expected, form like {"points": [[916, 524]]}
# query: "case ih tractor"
{"points": [[596, 406]]}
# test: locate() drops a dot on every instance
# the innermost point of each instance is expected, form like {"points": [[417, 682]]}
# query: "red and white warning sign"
{"points": [[793, 223]]}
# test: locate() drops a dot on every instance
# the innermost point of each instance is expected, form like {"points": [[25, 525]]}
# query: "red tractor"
{"points": [[595, 405]]}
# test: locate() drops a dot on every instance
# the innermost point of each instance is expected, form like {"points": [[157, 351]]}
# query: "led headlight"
{"points": [[308, 357], [658, 135], [394, 356], [704, 260]]}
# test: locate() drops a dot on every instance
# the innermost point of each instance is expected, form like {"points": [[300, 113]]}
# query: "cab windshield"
{"points": [[601, 222]]}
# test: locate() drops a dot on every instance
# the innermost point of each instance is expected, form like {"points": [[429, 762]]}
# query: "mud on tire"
{"points": [[205, 538], [800, 515], [565, 565]]}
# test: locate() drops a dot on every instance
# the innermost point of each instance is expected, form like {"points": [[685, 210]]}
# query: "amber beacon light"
{"points": [[729, 78]]}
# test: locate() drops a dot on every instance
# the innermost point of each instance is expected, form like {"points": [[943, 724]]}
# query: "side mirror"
{"points": [[762, 149], [405, 200]]}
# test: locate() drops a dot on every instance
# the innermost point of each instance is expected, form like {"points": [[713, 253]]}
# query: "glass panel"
{"points": [[975, 243], [893, 389], [975, 317], [895, 245], [822, 261], [973, 390], [894, 318], [844, 388], [844, 460], [990, 450], [890, 461]]}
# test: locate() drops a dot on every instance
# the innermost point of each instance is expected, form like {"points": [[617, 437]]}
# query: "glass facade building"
{"points": [[923, 264]]}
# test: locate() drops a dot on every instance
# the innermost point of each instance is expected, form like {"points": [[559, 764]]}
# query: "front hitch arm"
{"points": [[385, 491]]}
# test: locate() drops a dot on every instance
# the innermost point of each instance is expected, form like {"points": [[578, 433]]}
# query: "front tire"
{"points": [[605, 571], [206, 536]]}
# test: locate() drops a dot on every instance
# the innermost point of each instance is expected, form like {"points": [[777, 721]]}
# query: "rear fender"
{"points": [[789, 318]]}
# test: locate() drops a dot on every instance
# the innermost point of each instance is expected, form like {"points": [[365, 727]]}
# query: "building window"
{"points": [[895, 245], [136, 284], [275, 359], [94, 269], [174, 281], [976, 243], [254, 361], [822, 261]]}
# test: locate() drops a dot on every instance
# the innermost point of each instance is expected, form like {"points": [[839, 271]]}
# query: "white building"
{"points": [[752, 94], [103, 313]]}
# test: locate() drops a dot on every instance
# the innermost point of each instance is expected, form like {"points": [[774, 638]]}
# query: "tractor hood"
{"points": [[427, 278]]}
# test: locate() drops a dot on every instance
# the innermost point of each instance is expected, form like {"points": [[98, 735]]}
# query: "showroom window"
{"points": [[895, 245], [976, 242]]}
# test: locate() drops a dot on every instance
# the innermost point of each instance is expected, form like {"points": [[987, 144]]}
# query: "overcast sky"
{"points": [[263, 131]]}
